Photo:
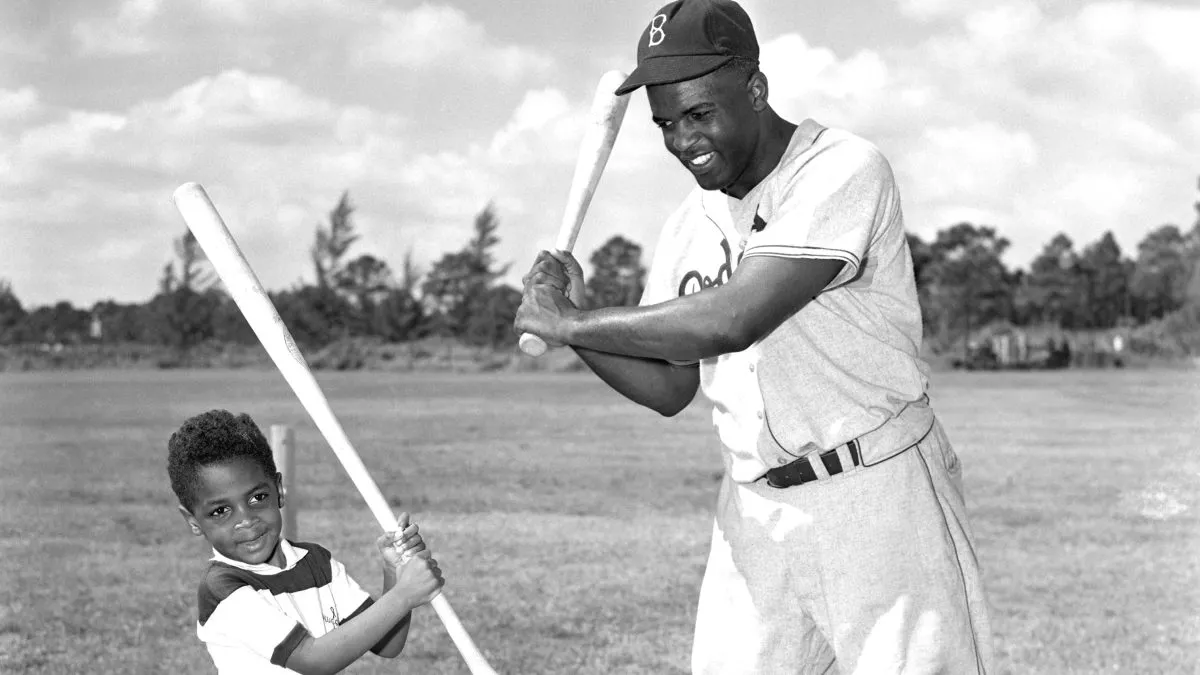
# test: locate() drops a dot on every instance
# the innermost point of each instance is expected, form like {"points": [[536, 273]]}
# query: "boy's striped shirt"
{"points": [[252, 617]]}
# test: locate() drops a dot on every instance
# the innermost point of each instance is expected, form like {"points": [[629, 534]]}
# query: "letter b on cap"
{"points": [[656, 30]]}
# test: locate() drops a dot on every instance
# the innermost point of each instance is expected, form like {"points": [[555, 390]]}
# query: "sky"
{"points": [[1032, 116]]}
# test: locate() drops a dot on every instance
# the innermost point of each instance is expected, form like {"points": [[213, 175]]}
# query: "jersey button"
{"points": [[760, 415], [752, 367]]}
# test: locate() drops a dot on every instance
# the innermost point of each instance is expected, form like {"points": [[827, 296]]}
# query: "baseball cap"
{"points": [[687, 39]]}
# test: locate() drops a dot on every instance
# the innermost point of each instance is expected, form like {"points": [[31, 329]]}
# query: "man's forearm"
{"points": [[764, 292], [691, 328], [663, 387]]}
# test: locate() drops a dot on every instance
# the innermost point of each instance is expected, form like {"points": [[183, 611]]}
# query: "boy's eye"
{"points": [[662, 124], [262, 496], [702, 115], [218, 512]]}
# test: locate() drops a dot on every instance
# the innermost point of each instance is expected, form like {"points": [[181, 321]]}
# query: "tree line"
{"points": [[460, 296], [962, 281], [964, 285]]}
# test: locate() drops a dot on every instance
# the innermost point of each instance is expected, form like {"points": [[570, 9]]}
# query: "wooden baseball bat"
{"points": [[607, 113], [227, 259]]}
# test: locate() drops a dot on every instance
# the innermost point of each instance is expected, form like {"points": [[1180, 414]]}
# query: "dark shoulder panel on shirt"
{"points": [[316, 566], [219, 582]]}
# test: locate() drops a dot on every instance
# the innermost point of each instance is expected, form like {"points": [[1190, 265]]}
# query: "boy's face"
{"points": [[236, 507]]}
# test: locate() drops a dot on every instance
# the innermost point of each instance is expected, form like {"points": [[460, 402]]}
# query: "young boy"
{"points": [[268, 605]]}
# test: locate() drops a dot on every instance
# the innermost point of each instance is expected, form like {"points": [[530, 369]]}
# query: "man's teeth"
{"points": [[702, 159]]}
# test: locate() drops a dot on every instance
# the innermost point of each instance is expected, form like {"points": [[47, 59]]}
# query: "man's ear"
{"points": [[757, 86], [279, 489], [190, 520]]}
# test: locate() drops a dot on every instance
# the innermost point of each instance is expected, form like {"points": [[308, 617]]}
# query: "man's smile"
{"points": [[698, 162]]}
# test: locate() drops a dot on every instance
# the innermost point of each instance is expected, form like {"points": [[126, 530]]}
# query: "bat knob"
{"points": [[532, 344]]}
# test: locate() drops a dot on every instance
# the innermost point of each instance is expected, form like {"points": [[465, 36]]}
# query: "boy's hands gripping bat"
{"points": [[607, 113]]}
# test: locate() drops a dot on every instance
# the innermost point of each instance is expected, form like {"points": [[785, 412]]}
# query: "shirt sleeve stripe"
{"points": [[284, 650], [848, 272], [785, 251]]}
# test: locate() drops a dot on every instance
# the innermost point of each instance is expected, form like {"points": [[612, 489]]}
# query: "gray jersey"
{"points": [[847, 365]]}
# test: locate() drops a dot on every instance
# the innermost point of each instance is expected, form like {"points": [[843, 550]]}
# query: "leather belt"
{"points": [[801, 471]]}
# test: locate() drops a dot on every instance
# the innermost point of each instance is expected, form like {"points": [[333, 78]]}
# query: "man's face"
{"points": [[710, 125], [236, 507]]}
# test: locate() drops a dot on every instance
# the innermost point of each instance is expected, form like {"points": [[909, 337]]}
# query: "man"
{"points": [[783, 288]]}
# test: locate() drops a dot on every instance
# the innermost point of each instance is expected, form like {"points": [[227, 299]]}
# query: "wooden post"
{"points": [[283, 445]]}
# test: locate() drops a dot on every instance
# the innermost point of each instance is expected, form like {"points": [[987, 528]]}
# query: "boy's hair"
{"points": [[209, 438]]}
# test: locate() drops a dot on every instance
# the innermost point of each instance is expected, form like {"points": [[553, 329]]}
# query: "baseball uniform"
{"points": [[861, 559]]}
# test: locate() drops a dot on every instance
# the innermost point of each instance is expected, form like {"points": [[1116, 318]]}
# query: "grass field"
{"points": [[573, 526]]}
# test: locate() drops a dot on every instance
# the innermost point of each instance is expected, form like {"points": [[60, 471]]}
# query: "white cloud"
{"points": [[238, 101], [1030, 116], [275, 158], [17, 103], [442, 35], [1097, 192], [1191, 127], [426, 34], [74, 138], [15, 43], [1167, 32], [263, 146], [982, 160], [935, 9], [327, 35], [246, 13], [1001, 24], [124, 34], [814, 79], [541, 128]]}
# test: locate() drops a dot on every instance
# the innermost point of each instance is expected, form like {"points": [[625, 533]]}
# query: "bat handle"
{"points": [[532, 344]]}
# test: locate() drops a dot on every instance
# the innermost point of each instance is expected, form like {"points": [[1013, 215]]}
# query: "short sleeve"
{"points": [[830, 209], [247, 620], [346, 591]]}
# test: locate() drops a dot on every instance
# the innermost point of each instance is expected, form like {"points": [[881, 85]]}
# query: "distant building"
{"points": [[1001, 346]]}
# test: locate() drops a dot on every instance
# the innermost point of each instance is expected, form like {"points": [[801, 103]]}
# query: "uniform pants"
{"points": [[868, 572]]}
